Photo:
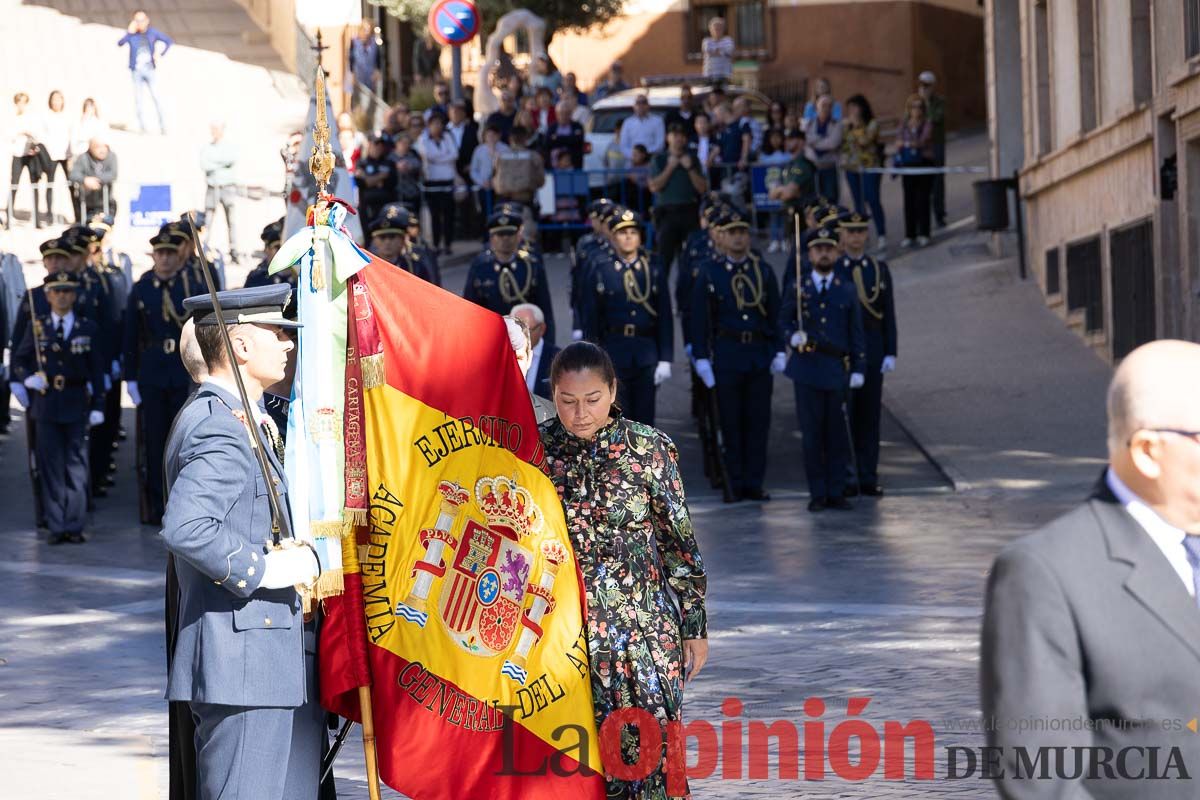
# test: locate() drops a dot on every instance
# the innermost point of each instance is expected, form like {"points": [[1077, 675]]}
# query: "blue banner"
{"points": [[152, 206], [762, 178]]}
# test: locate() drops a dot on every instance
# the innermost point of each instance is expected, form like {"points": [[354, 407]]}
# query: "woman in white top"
{"points": [[717, 51], [89, 127], [439, 157], [56, 138], [25, 151]]}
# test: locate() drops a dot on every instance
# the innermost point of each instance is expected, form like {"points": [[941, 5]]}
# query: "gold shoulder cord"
{"points": [[509, 291], [633, 290], [741, 284], [868, 302], [168, 305]]}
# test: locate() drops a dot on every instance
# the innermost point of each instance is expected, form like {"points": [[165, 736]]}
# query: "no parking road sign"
{"points": [[454, 22]]}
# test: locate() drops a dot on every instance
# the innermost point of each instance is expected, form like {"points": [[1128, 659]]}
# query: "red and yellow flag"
{"points": [[471, 600]]}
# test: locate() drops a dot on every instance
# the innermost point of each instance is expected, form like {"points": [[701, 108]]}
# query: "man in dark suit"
{"points": [[543, 350], [1094, 618]]}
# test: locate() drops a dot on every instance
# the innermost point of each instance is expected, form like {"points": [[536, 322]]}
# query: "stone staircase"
{"points": [[221, 67]]}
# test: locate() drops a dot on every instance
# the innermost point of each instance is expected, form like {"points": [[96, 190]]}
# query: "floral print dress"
{"points": [[628, 521]]}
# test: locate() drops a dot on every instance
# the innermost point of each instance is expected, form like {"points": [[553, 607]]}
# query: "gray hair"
{"points": [[534, 311]]}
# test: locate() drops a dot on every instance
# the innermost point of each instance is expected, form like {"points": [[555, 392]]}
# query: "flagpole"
{"points": [[321, 164]]}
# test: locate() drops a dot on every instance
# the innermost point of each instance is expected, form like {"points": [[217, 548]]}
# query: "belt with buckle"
{"points": [[630, 331], [742, 337], [60, 382], [168, 345]]}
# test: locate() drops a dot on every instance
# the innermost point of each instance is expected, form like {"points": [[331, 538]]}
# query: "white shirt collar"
{"points": [[68, 319], [1168, 538], [535, 360]]}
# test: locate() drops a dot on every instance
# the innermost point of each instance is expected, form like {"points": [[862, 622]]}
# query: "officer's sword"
{"points": [[35, 326], [799, 284], [281, 527]]}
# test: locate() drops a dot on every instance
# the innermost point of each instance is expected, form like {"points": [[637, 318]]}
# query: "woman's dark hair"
{"points": [[578, 356], [768, 147], [864, 107]]}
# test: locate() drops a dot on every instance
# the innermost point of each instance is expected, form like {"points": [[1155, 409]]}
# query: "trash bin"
{"points": [[991, 204]]}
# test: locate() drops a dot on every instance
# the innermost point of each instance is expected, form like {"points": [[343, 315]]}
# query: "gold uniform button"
{"points": [[822, 320], [267, 621]]}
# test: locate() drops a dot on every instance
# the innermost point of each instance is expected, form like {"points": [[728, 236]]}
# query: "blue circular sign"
{"points": [[454, 22]]}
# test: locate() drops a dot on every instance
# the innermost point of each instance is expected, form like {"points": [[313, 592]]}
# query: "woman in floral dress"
{"points": [[621, 492]]}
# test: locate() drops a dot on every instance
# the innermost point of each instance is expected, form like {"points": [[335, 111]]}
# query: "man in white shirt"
{"points": [[717, 51], [538, 375], [1091, 635], [642, 128]]}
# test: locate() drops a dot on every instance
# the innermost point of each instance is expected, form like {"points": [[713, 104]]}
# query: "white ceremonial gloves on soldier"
{"points": [[799, 339], [576, 335], [131, 387], [857, 380], [36, 382], [888, 365], [778, 363], [662, 373], [95, 418], [705, 372], [18, 391], [288, 567]]}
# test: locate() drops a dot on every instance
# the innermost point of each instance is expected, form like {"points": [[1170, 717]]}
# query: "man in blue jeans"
{"points": [[142, 41]]}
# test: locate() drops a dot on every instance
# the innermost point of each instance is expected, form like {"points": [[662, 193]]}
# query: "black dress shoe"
{"points": [[77, 537], [840, 504], [59, 538], [850, 491], [816, 504], [874, 490], [756, 494]]}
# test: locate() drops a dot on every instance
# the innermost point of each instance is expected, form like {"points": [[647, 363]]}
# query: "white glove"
{"points": [[705, 371], [95, 418], [18, 391], [799, 339], [778, 363], [131, 387], [107, 382], [888, 365], [288, 567], [662, 373], [116, 369], [857, 380], [37, 382], [576, 335]]}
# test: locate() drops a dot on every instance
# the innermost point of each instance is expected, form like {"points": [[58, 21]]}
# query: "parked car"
{"points": [[609, 113]]}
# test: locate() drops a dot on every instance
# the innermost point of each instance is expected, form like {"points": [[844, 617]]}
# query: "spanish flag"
{"points": [[464, 586]]}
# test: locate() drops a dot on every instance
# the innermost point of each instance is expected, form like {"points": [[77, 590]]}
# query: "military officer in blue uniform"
{"points": [[272, 238], [701, 246], [239, 654], [595, 241], [156, 380], [738, 347], [872, 282], [389, 241], [420, 251], [628, 313], [58, 374], [824, 326], [118, 263], [190, 262], [506, 275]]}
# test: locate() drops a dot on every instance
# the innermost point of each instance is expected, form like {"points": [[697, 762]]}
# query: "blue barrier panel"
{"points": [[151, 208]]}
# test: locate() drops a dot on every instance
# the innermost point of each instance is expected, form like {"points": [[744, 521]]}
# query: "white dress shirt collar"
{"points": [[1168, 538], [68, 322]]}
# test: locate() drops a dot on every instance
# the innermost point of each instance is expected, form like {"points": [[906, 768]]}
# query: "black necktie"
{"points": [[58, 329]]}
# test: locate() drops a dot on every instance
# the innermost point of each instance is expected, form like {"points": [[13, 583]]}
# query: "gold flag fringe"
{"points": [[372, 371], [353, 518], [327, 529]]}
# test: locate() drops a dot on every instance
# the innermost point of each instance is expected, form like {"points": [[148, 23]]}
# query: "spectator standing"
{"points": [[642, 128], [218, 159], [397, 119], [441, 101], [685, 114], [777, 115], [90, 126], [574, 111], [27, 156], [544, 116], [570, 88], [95, 172], [824, 136], [143, 41], [408, 173], [376, 177], [799, 179], [545, 76], [861, 150], [935, 108], [775, 154], [677, 182], [567, 137], [363, 69], [503, 117], [439, 154], [914, 148], [737, 141], [706, 146], [351, 139], [426, 59], [483, 164], [56, 141], [465, 133], [717, 51], [614, 82], [518, 174], [821, 87]]}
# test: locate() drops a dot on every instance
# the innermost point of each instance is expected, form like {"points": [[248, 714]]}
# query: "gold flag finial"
{"points": [[320, 163]]}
